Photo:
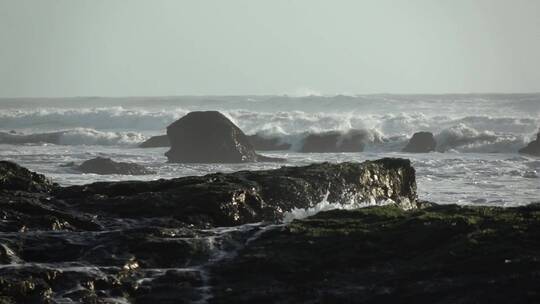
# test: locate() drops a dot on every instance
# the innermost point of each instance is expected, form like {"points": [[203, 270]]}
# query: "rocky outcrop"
{"points": [[16, 178], [532, 148], [104, 166], [209, 137], [440, 254], [267, 143], [157, 241], [421, 142], [150, 241], [246, 196], [335, 141], [160, 141]]}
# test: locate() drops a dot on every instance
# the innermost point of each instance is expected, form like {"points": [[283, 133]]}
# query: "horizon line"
{"points": [[291, 95]]}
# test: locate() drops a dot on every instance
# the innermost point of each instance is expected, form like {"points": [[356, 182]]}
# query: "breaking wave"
{"points": [[387, 132], [80, 136]]}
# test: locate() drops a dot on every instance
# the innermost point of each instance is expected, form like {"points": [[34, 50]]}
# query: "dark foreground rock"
{"points": [[209, 137], [160, 141], [16, 178], [268, 143], [335, 141], [532, 148], [440, 254], [157, 242], [421, 142], [249, 196], [152, 242], [104, 166]]}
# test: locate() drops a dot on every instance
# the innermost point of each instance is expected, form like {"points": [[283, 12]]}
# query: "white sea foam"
{"points": [[479, 124], [325, 205], [388, 132], [73, 137]]}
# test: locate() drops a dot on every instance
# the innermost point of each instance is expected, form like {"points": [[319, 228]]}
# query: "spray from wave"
{"points": [[387, 132], [74, 137]]}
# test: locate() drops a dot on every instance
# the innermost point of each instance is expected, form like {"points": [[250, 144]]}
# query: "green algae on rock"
{"points": [[438, 254]]}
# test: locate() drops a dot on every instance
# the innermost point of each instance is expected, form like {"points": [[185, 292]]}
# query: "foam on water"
{"points": [[325, 205], [469, 129]]}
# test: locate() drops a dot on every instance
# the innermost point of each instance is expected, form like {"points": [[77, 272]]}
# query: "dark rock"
{"points": [[245, 196], [335, 142], [266, 143], [23, 211], [101, 165], [440, 254], [156, 242], [209, 137], [14, 177], [156, 142], [532, 148], [421, 142]]}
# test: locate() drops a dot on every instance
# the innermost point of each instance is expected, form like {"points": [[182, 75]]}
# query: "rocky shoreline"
{"points": [[220, 238]]}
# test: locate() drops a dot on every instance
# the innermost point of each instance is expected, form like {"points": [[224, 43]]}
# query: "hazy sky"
{"points": [[226, 47]]}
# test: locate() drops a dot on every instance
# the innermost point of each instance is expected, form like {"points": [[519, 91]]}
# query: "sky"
{"points": [[61, 48]]}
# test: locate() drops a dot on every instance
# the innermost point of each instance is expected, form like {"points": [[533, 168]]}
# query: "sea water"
{"points": [[478, 136]]}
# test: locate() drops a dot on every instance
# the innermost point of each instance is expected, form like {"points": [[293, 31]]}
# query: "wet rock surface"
{"points": [[16, 178], [209, 137], [248, 196], [439, 254], [421, 142], [532, 148], [153, 242], [105, 166], [219, 239]]}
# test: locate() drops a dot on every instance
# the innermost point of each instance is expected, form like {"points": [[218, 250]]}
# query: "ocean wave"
{"points": [[279, 122], [74, 137], [463, 138], [109, 118], [387, 132]]}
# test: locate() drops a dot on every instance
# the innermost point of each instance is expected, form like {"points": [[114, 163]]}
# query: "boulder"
{"points": [[156, 142], [101, 165], [532, 148], [209, 137], [335, 142], [267, 143], [421, 142], [250, 196]]}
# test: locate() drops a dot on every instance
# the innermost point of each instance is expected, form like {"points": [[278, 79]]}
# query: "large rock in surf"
{"points": [[421, 142], [251, 196], [209, 137], [532, 148], [335, 141], [104, 166], [159, 141], [268, 143]]}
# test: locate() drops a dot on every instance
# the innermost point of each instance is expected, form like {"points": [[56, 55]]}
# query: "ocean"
{"points": [[476, 162]]}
